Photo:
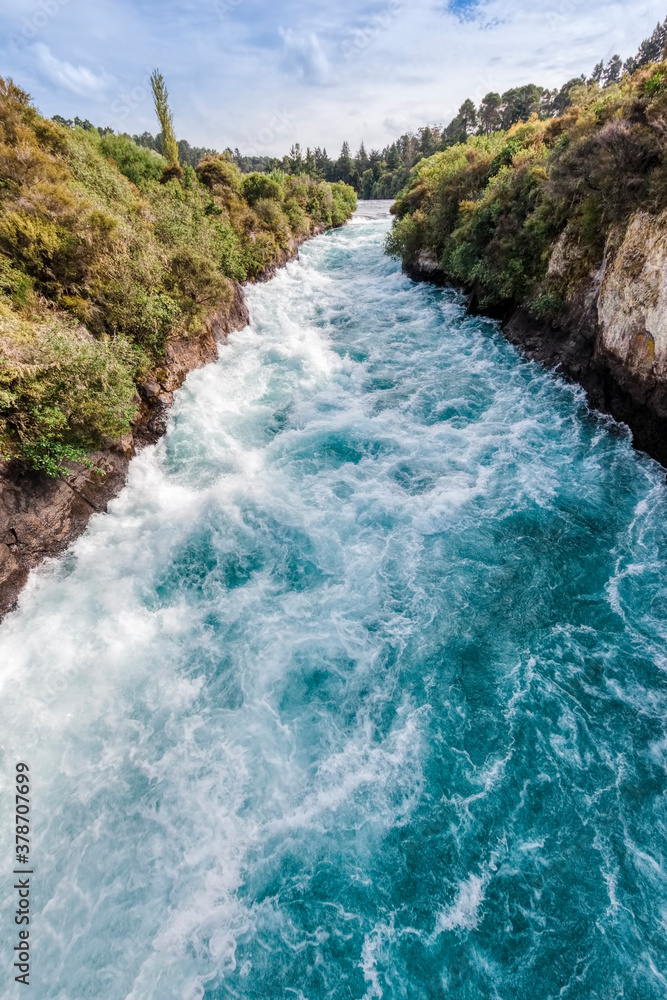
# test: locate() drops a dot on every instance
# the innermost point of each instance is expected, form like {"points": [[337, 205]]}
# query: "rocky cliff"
{"points": [[611, 336]]}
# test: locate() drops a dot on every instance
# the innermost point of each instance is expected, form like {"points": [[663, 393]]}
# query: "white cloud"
{"points": [[357, 69], [78, 79], [304, 56]]}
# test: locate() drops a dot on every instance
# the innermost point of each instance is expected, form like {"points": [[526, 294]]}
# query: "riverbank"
{"points": [[557, 227], [40, 515], [119, 274], [610, 338]]}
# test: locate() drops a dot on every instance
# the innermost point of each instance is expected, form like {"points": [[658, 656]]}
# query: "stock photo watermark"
{"points": [[32, 24], [22, 951], [129, 100], [563, 12], [280, 125], [224, 7], [362, 38]]}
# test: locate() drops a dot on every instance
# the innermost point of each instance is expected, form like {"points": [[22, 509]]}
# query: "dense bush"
{"points": [[261, 187], [103, 257], [62, 391], [490, 209], [137, 163]]}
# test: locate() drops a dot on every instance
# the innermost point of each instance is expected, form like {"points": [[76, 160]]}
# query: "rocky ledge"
{"points": [[611, 337]]}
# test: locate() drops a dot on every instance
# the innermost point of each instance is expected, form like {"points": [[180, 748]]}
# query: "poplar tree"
{"points": [[165, 118]]}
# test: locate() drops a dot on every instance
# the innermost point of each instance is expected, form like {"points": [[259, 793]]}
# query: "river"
{"points": [[359, 689]]}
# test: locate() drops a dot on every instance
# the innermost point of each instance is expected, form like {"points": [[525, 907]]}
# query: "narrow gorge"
{"points": [[358, 688]]}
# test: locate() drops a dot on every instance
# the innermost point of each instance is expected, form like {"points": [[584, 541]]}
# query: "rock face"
{"points": [[632, 304], [40, 516], [612, 336]]}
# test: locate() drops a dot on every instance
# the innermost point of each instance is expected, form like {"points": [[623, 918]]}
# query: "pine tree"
{"points": [[295, 160], [310, 165], [612, 71], [361, 159], [489, 114], [596, 75], [393, 159], [429, 140], [324, 163], [344, 165], [520, 103], [461, 126]]}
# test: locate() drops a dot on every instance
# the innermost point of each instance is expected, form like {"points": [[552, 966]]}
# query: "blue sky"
{"points": [[263, 74]]}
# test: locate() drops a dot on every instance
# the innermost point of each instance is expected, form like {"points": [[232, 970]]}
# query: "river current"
{"points": [[359, 689]]}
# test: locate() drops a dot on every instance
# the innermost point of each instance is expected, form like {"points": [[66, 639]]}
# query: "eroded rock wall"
{"points": [[632, 301], [611, 337]]}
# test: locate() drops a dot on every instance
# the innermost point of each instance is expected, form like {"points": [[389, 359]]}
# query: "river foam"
{"points": [[359, 688]]}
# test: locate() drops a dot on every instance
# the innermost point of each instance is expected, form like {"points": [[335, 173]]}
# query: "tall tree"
{"points": [[367, 183], [310, 165], [519, 103], [324, 163], [393, 158], [651, 49], [555, 102], [612, 71], [489, 114], [295, 160], [361, 159], [462, 125], [165, 118], [429, 139], [344, 164], [598, 71]]}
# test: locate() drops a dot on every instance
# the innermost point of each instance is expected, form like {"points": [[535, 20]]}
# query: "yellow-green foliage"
{"points": [[166, 120], [490, 210], [62, 391], [101, 261]]}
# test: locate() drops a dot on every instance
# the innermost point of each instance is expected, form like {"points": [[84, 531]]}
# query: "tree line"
{"points": [[383, 173]]}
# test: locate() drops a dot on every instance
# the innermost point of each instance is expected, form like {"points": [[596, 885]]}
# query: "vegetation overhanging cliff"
{"points": [[558, 227], [119, 273]]}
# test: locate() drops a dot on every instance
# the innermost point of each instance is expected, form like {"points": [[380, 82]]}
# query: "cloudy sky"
{"points": [[263, 74]]}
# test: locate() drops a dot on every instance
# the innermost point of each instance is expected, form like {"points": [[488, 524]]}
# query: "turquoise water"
{"points": [[359, 689]]}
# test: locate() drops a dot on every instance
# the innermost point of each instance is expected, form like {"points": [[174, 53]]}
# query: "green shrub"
{"points": [[272, 217], [256, 187], [548, 305], [260, 251], [62, 392], [406, 238], [216, 173], [344, 202], [297, 217], [137, 163]]}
